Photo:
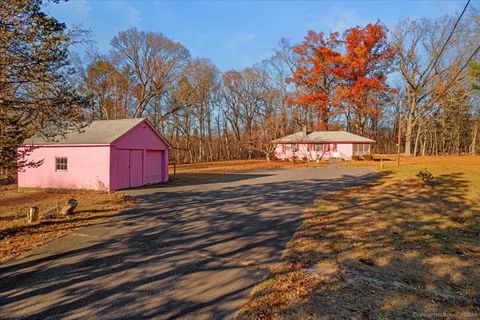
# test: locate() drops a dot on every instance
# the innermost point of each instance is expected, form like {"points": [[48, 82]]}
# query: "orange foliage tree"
{"points": [[317, 62], [366, 62], [346, 75]]}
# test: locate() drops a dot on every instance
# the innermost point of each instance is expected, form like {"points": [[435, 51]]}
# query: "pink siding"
{"points": [[139, 141], [88, 168], [335, 150], [136, 168], [123, 164], [345, 150], [153, 166], [122, 170]]}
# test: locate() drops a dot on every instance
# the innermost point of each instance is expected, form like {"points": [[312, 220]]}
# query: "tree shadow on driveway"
{"points": [[191, 179], [179, 254]]}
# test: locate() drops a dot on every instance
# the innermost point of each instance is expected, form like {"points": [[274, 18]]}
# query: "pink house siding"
{"points": [[88, 168], [155, 172], [321, 145], [137, 157], [306, 150], [345, 151]]}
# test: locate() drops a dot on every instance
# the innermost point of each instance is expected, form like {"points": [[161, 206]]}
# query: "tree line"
{"points": [[421, 79]]}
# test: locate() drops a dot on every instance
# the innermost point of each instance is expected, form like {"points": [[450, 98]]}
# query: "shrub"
{"points": [[356, 158], [368, 157], [426, 176]]}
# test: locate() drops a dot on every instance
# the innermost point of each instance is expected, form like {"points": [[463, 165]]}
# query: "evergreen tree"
{"points": [[34, 90]]}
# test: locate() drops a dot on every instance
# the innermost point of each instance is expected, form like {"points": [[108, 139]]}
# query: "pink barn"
{"points": [[321, 145], [106, 155]]}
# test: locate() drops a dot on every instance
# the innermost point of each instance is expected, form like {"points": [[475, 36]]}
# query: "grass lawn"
{"points": [[17, 236], [393, 249], [216, 171], [465, 168]]}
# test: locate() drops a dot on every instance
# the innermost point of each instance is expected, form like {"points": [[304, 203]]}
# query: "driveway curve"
{"points": [[183, 252]]}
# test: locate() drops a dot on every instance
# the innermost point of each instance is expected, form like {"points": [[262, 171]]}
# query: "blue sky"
{"points": [[236, 34]]}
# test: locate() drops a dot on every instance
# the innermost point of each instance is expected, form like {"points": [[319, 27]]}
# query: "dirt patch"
{"points": [[390, 250], [17, 236]]}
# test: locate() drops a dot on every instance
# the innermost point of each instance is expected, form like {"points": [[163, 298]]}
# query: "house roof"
{"points": [[323, 136], [97, 132]]}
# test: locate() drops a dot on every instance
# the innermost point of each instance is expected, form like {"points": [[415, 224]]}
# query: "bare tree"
{"points": [[154, 62], [427, 71]]}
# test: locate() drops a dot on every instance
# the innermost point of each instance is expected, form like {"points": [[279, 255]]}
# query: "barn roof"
{"points": [[323, 136], [97, 132]]}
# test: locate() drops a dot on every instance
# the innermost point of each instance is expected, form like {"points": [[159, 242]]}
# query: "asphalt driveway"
{"points": [[184, 252]]}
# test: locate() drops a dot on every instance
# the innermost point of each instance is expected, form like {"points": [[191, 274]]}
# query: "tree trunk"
{"points": [[424, 145], [473, 145], [33, 215], [69, 207], [408, 131], [417, 139]]}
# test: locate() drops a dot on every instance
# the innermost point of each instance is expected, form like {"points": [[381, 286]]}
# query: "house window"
{"points": [[357, 149], [291, 147], [319, 147], [361, 149], [61, 164], [366, 148]]}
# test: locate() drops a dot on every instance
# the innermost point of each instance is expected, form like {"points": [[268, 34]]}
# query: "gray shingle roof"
{"points": [[323, 136], [97, 132]]}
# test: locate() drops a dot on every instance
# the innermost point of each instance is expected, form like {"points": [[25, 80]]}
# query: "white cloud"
{"points": [[236, 46], [76, 10], [201, 38], [131, 15], [242, 38], [80, 7], [337, 19]]}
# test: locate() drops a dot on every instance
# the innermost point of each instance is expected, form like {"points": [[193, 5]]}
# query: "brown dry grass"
{"points": [[240, 165], [17, 236], [394, 249], [206, 172]]}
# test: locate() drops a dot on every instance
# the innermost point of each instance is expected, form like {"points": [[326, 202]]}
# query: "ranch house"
{"points": [[321, 145]]}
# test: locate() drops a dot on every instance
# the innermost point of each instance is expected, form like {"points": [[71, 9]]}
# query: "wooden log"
{"points": [[69, 207], [50, 214], [32, 214]]}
